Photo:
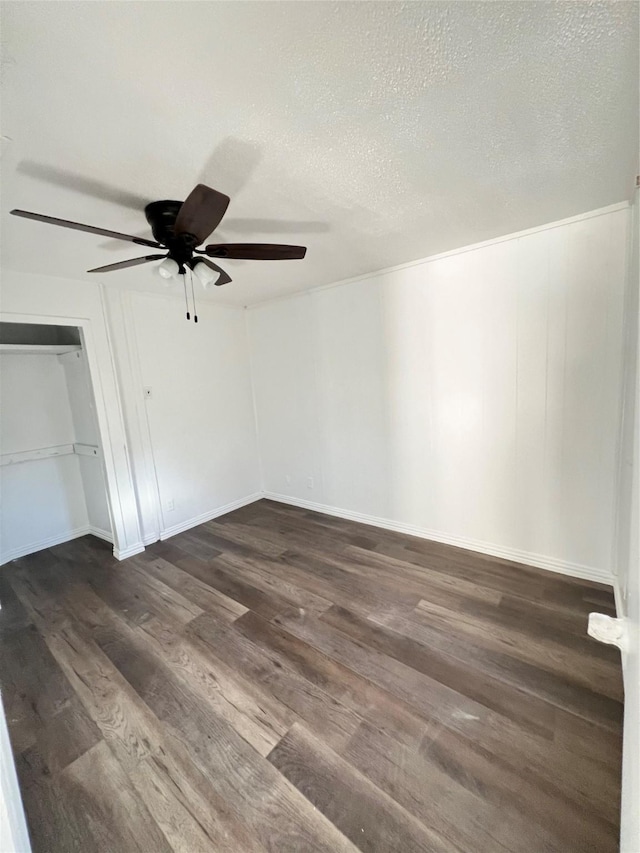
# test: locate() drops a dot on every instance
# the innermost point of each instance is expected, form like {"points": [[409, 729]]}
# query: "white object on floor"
{"points": [[607, 629]]}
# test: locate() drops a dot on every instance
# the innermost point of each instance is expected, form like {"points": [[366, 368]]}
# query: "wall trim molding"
{"points": [[168, 532], [105, 535], [617, 596], [33, 547], [131, 551], [538, 561], [76, 533], [472, 247]]}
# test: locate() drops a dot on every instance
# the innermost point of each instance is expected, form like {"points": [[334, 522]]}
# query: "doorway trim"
{"points": [[121, 500]]}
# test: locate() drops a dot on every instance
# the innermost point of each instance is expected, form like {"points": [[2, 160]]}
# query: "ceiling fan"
{"points": [[179, 228]]}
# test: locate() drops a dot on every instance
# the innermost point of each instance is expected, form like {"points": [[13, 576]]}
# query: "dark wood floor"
{"points": [[281, 680]]}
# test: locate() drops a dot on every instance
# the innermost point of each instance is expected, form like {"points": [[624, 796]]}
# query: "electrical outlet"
{"points": [[309, 482], [170, 505], [288, 479]]}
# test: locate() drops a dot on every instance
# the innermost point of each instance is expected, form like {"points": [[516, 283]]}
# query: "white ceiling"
{"points": [[375, 133]]}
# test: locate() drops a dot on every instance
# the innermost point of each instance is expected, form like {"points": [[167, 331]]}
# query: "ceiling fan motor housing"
{"points": [[161, 216]]}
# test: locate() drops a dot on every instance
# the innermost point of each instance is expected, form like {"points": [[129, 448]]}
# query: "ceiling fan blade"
{"points": [[224, 278], [256, 251], [78, 226], [121, 265], [201, 212]]}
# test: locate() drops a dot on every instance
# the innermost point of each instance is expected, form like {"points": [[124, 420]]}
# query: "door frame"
{"points": [[121, 499]]}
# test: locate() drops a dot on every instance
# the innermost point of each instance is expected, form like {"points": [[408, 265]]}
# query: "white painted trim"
{"points": [[101, 534], [38, 349], [617, 594], [120, 317], [14, 837], [516, 235], [16, 553], [539, 561], [131, 551], [207, 516], [40, 453]]}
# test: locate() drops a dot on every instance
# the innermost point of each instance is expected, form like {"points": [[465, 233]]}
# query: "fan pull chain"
{"points": [[193, 297], [186, 300]]}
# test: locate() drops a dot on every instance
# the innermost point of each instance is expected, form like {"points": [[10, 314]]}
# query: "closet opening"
{"points": [[52, 479]]}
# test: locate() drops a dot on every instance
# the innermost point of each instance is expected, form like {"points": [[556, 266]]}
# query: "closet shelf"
{"points": [[48, 452], [39, 349]]}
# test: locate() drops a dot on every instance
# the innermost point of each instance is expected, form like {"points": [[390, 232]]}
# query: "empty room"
{"points": [[319, 427]]}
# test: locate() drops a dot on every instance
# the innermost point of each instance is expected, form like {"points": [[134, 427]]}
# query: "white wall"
{"points": [[194, 442], [195, 437], [14, 837], [628, 551], [472, 398], [42, 500], [86, 432]]}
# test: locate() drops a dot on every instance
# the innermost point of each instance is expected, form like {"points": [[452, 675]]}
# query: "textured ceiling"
{"points": [[375, 133]]}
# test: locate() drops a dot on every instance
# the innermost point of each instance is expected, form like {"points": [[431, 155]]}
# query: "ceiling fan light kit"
{"points": [[205, 274], [180, 228], [168, 268]]}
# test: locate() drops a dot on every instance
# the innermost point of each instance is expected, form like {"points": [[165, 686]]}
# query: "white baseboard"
{"points": [[32, 547], [131, 551], [106, 535], [538, 561], [208, 516], [118, 553]]}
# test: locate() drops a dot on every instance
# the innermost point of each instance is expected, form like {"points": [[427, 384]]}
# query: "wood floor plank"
{"points": [[60, 740], [559, 689], [221, 577], [281, 680], [260, 723], [545, 653], [384, 710], [184, 815], [263, 574], [34, 689], [445, 707], [194, 590], [135, 733], [364, 813], [280, 818], [440, 801], [526, 710], [480, 771], [90, 805], [430, 698], [118, 818], [322, 713], [13, 614]]}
